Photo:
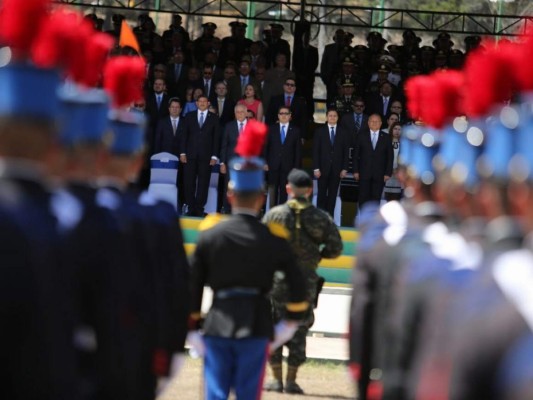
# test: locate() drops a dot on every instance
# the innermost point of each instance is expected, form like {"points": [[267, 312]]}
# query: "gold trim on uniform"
{"points": [[278, 230], [298, 307], [210, 221]]}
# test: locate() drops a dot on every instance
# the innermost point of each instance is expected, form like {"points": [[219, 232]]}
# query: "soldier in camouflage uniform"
{"points": [[314, 236]]}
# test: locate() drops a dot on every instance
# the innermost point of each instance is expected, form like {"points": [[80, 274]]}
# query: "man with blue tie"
{"points": [[283, 149], [372, 161], [227, 149], [199, 146], [354, 122], [330, 160]]}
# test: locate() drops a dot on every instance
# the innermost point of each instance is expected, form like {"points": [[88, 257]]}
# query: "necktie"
{"points": [[201, 122], [220, 107], [206, 87], [385, 105], [374, 140], [243, 84], [288, 101], [158, 97], [241, 127], [174, 126], [332, 135], [357, 122], [283, 134], [178, 71]]}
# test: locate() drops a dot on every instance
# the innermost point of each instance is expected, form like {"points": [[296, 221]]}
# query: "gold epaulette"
{"points": [[297, 307], [210, 221], [278, 230]]}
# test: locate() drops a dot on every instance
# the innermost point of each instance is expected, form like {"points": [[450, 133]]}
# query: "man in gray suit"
{"points": [[227, 148]]}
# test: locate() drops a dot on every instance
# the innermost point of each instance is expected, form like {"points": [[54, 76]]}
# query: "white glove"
{"points": [[196, 341], [176, 364], [283, 332]]}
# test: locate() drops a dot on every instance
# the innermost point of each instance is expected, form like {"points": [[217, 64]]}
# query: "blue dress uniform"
{"points": [[157, 271], [38, 359], [96, 246], [237, 258]]}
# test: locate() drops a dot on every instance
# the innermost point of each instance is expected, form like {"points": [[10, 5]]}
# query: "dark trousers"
{"points": [[370, 189], [223, 190], [277, 180], [196, 181], [328, 186]]}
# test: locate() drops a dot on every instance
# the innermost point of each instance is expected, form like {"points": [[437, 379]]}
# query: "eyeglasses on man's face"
{"points": [[290, 84], [284, 113]]}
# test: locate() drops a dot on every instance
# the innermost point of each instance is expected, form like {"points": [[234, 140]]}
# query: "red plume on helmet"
{"points": [[414, 90], [123, 79], [95, 56], [251, 140], [21, 23], [62, 41], [443, 98], [487, 79]]}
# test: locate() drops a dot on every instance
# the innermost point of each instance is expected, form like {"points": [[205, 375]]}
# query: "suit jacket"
{"points": [[211, 92], [165, 139], [176, 84], [348, 124], [200, 143], [154, 114], [304, 64], [369, 162], [298, 110], [330, 157], [286, 156], [330, 62], [375, 105], [228, 110], [235, 90], [229, 141]]}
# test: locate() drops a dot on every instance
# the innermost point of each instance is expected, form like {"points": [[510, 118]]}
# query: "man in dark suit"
{"points": [[227, 149], [296, 105], [373, 157], [283, 152], [330, 64], [207, 81], [355, 122], [304, 64], [330, 160], [167, 137], [157, 104], [177, 74], [199, 146], [380, 103], [236, 84], [224, 105], [168, 129]]}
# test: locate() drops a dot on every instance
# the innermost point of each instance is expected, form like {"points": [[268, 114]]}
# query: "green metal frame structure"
{"points": [[332, 13]]}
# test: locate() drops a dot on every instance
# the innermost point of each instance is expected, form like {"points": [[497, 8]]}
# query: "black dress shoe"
{"points": [[274, 386], [292, 387]]}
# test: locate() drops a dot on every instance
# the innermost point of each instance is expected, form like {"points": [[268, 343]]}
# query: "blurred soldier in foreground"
{"points": [[313, 236], [237, 258]]}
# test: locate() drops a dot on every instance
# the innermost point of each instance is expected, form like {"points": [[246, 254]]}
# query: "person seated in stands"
{"points": [[252, 102], [191, 97]]}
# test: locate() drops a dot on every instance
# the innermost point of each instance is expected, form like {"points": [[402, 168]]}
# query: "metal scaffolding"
{"points": [[326, 13]]}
